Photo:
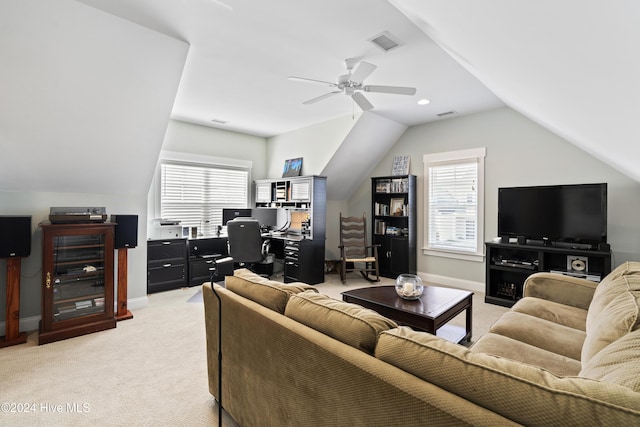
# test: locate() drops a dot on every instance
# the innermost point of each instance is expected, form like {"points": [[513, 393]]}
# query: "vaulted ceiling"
{"points": [[98, 79], [242, 53], [570, 65]]}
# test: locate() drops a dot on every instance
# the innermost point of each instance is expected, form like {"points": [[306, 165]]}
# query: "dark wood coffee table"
{"points": [[431, 313]]}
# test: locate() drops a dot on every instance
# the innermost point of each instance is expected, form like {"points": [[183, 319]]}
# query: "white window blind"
{"points": [[454, 202], [196, 194]]}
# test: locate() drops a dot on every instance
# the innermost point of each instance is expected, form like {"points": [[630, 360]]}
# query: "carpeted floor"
{"points": [[149, 371]]}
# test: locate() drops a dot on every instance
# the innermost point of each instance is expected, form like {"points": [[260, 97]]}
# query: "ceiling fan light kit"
{"points": [[351, 85]]}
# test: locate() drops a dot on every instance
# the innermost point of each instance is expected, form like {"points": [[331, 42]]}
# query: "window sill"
{"points": [[465, 256]]}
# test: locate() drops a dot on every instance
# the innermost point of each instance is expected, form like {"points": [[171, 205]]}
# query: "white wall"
{"points": [[315, 144], [86, 97], [519, 152], [207, 141]]}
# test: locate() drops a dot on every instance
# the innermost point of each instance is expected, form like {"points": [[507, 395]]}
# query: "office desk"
{"points": [[303, 257]]}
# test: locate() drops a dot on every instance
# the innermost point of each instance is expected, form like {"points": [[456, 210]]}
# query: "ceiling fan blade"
{"points": [[362, 102], [399, 90], [321, 97], [362, 71], [303, 79]]}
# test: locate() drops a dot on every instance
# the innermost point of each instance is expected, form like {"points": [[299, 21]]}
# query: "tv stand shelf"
{"points": [[508, 266]]}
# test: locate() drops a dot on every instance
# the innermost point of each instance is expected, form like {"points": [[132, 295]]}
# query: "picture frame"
{"points": [[397, 207], [292, 167], [400, 165]]}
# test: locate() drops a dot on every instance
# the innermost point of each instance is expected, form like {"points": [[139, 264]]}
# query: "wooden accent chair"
{"points": [[354, 250]]}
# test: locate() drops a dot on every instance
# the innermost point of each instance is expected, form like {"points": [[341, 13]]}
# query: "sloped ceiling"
{"points": [[242, 54], [85, 98], [571, 66], [370, 139]]}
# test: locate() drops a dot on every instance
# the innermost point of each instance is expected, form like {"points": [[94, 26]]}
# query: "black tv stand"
{"points": [[509, 264], [569, 245]]}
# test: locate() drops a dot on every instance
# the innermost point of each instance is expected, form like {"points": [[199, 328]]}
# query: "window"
{"points": [[195, 194], [454, 204]]}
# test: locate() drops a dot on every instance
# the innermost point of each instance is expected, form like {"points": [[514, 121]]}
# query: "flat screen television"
{"points": [[556, 213]]}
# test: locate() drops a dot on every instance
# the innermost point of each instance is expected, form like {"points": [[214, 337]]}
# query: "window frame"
{"points": [[187, 159], [451, 158]]}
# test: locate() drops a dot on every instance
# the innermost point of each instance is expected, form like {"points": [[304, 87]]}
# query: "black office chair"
{"points": [[247, 247]]}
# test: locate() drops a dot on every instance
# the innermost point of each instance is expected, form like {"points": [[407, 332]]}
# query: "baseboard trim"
{"points": [[27, 324], [32, 323], [135, 303], [453, 282]]}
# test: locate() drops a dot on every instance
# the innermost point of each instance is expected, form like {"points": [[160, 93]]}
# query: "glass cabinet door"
{"points": [[78, 276]]}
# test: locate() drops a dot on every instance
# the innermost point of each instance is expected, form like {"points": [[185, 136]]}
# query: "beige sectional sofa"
{"points": [[568, 353]]}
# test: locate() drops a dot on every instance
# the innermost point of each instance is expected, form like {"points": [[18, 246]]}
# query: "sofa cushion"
{"points": [[610, 287], [269, 293], [613, 313], [625, 269], [619, 362], [526, 394], [498, 345], [352, 324], [540, 333], [561, 314]]}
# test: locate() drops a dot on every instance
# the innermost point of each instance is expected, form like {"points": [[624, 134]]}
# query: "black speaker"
{"points": [[15, 236], [126, 235]]}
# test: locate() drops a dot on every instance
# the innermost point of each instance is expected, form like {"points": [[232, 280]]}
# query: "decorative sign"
{"points": [[400, 165], [292, 167]]}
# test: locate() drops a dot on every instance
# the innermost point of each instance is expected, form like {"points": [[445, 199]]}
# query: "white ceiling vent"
{"points": [[219, 121], [446, 113], [385, 41]]}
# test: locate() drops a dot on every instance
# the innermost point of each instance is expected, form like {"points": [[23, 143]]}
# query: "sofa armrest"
{"points": [[559, 288]]}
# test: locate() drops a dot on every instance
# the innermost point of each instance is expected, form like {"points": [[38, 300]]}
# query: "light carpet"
{"points": [[149, 371]]}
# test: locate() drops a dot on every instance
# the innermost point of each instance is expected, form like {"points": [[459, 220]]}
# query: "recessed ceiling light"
{"points": [[423, 101]]}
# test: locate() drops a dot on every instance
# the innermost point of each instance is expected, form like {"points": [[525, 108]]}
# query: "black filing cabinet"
{"points": [[202, 256], [166, 264], [304, 261]]}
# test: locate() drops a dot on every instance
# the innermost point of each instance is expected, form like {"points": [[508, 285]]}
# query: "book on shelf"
{"points": [[383, 186], [392, 231], [380, 227], [399, 185], [381, 209]]}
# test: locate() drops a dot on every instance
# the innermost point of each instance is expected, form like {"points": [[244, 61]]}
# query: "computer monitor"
{"points": [[267, 217], [228, 214]]}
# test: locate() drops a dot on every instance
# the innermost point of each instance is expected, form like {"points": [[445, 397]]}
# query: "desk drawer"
{"points": [[201, 270], [291, 251], [166, 272], [291, 269], [165, 276], [163, 249]]}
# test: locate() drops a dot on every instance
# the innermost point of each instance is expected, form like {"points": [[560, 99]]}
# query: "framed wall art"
{"points": [[292, 167]]}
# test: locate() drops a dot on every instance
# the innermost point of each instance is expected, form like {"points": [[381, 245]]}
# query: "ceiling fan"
{"points": [[351, 84]]}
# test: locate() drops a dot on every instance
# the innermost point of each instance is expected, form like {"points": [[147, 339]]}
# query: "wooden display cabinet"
{"points": [[77, 280]]}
